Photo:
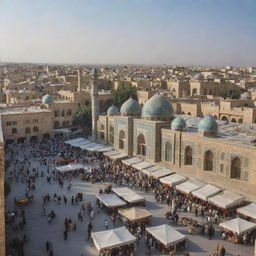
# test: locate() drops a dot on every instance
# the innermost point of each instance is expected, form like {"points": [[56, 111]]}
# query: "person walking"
{"points": [[65, 234], [89, 231], [106, 224], [47, 246]]}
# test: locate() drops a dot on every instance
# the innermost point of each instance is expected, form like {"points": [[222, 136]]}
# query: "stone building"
{"points": [[204, 152]]}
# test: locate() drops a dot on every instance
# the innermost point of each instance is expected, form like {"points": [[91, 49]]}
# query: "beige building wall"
{"points": [[143, 96]]}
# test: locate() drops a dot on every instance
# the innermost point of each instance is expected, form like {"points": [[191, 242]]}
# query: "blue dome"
{"points": [[130, 108], [112, 111], [47, 99], [178, 123], [208, 123], [157, 107]]}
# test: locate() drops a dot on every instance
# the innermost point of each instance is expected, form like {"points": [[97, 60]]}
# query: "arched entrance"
{"points": [[21, 140], [224, 118], [121, 139], [9, 142], [33, 139], [240, 120], [141, 145], [233, 120], [168, 151], [208, 160], [188, 155], [235, 172], [194, 92]]}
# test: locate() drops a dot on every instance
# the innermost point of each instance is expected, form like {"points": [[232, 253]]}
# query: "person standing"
{"points": [[47, 246], [89, 231], [106, 224], [65, 234]]}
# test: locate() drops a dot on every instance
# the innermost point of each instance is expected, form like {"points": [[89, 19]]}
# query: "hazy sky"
{"points": [[206, 32]]}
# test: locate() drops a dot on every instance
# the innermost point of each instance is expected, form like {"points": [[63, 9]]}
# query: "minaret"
{"points": [[78, 81], [95, 103]]}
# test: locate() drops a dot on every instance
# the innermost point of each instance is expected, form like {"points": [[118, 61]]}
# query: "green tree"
{"points": [[83, 118], [124, 91]]}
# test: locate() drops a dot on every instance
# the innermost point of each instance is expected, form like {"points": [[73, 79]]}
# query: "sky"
{"points": [[171, 32]]}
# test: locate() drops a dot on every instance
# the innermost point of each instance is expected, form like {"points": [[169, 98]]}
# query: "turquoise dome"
{"points": [[157, 108], [47, 99], [178, 123], [208, 123], [112, 111], [130, 108]]}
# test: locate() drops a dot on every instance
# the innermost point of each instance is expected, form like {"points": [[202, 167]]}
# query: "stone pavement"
{"points": [[38, 230]]}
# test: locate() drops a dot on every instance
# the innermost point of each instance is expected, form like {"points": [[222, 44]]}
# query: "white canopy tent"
{"points": [[150, 170], [206, 191], [88, 145], [128, 195], [142, 165], [105, 149], [70, 167], [190, 185], [173, 179], [135, 213], [161, 173], [118, 156], [131, 161], [166, 234], [248, 211], [112, 238], [111, 153], [238, 226], [81, 143], [95, 148], [111, 200], [75, 140], [226, 199]]}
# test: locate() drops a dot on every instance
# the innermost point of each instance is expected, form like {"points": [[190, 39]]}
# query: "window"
{"points": [[188, 155], [8, 123], [208, 160], [35, 121], [222, 168], [56, 113], [222, 156], [168, 151], [56, 124], [35, 129], [14, 123], [235, 172], [111, 134], [14, 131], [69, 112], [63, 112], [141, 145], [27, 130]]}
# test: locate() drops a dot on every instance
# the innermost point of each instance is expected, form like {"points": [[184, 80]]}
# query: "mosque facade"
{"points": [[155, 135]]}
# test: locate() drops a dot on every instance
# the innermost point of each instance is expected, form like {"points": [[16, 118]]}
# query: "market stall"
{"points": [[128, 195], [190, 185], [248, 211], [238, 230], [173, 179], [161, 173], [131, 161], [226, 200], [118, 156], [206, 191], [70, 167], [111, 200], [167, 236], [150, 170], [113, 238], [105, 148], [142, 165], [75, 140], [111, 153], [135, 213]]}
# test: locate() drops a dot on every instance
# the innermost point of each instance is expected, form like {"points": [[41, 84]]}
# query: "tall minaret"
{"points": [[95, 103], [78, 81]]}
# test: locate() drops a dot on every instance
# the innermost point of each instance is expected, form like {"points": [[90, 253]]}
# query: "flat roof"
{"points": [[22, 110]]}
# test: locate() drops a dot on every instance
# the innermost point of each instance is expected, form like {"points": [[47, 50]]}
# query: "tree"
{"points": [[83, 118], [124, 91]]}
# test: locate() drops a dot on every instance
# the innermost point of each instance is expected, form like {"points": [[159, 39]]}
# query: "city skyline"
{"points": [[211, 33]]}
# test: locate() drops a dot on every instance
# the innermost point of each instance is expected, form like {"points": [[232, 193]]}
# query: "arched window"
{"points": [[188, 155], [121, 139], [194, 91], [240, 120], [235, 172], [14, 131], [63, 112], [27, 130], [233, 120], [102, 127], [224, 118], [141, 145], [35, 129], [189, 114], [168, 151], [69, 112], [208, 160], [56, 113], [111, 134], [215, 117]]}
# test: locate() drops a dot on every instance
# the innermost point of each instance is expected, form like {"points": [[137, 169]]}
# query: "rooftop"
{"points": [[22, 110]]}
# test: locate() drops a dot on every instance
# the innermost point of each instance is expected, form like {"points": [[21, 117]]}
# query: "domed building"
{"points": [[178, 124], [208, 126], [112, 111], [157, 108], [47, 99], [130, 108]]}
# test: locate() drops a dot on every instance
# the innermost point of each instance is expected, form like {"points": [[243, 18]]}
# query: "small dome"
{"points": [[178, 124], [47, 99], [130, 108], [208, 123], [246, 96], [157, 108], [112, 111]]}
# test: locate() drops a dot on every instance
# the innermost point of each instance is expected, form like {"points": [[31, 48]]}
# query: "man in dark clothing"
{"points": [[65, 235], [47, 246], [89, 231]]}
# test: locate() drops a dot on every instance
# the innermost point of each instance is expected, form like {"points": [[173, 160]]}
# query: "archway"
{"points": [[215, 117], [168, 151], [33, 139], [9, 141], [21, 140], [233, 120], [121, 139], [240, 120], [208, 160], [189, 114], [141, 145], [224, 118], [194, 92], [188, 155], [235, 172]]}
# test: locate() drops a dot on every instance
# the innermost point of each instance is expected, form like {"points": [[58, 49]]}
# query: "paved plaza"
{"points": [[38, 230]]}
